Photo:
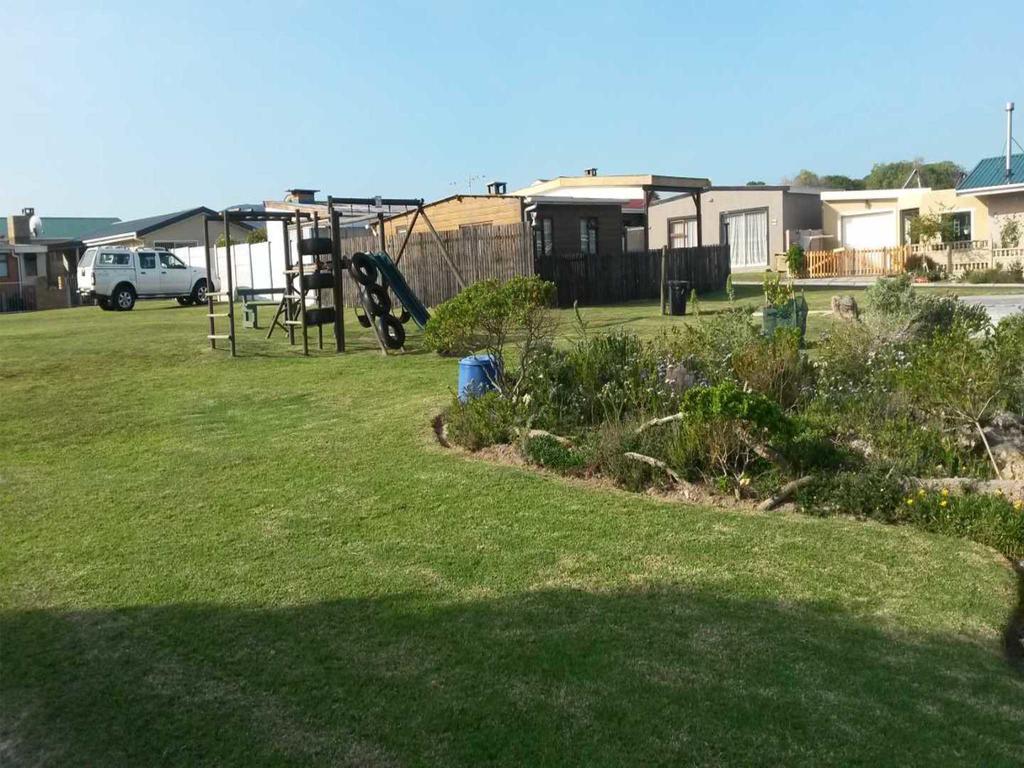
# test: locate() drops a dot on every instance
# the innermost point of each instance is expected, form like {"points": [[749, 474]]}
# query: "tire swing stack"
{"points": [[300, 283], [376, 303]]}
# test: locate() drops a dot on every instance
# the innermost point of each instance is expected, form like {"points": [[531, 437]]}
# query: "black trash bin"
{"points": [[678, 292]]}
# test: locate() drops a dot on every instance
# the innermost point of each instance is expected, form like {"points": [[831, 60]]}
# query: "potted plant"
{"points": [[782, 307]]}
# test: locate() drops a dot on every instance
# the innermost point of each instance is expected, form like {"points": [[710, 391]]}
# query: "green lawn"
{"points": [[268, 561]]}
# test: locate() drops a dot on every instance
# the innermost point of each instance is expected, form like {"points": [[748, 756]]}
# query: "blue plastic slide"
{"points": [[401, 289]]}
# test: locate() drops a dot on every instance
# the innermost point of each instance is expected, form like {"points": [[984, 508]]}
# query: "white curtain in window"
{"points": [[747, 233]]}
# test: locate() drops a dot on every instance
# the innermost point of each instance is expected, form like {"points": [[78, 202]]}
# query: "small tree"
{"points": [[257, 235], [1009, 233], [222, 243]]}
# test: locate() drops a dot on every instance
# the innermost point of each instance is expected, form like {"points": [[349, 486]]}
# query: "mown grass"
{"points": [[268, 561]]}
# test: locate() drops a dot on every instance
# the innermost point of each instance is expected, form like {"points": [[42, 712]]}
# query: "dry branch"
{"points": [[785, 493], [687, 488], [659, 422]]}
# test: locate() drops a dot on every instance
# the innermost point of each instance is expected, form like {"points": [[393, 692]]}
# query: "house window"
{"points": [[5, 271], [31, 265], [588, 237], [682, 233], [960, 229], [543, 237]]}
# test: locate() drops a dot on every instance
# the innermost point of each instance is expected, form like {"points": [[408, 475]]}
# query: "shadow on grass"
{"points": [[643, 677]]}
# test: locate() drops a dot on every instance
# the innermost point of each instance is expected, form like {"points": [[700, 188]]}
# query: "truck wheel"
{"points": [[103, 303], [199, 293], [183, 301], [123, 298]]}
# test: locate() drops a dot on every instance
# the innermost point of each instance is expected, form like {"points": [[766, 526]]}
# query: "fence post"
{"points": [[664, 276]]}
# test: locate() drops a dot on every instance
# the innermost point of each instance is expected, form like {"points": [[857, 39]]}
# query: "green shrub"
{"points": [[987, 519], [546, 451], [600, 378], [489, 315], [1015, 274], [1005, 347], [775, 367], [776, 293], [613, 439], [481, 421], [708, 346], [991, 520], [796, 260], [902, 311], [870, 493], [257, 235]]}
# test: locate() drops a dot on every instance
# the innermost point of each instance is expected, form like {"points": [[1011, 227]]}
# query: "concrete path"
{"points": [[998, 306]]}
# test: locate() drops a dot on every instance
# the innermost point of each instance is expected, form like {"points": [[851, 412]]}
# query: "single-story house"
{"points": [[634, 193], [880, 218], [38, 258], [168, 230], [998, 184], [757, 221]]}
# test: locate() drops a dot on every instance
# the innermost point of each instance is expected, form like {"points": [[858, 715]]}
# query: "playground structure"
{"points": [[374, 274]]}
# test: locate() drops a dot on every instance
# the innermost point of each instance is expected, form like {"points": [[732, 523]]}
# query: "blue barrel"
{"points": [[477, 374]]}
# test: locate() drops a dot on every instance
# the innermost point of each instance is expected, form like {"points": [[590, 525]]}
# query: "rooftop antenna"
{"points": [[1009, 137]]}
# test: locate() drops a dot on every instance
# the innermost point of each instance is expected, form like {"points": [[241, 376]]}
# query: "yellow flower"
{"points": [[1018, 505], [910, 502], [945, 491], [920, 491], [943, 503]]}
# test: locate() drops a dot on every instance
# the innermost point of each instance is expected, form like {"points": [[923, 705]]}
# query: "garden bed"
{"points": [[912, 416]]}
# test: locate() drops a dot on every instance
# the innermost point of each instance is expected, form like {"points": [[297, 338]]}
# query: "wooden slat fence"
{"points": [[605, 279], [856, 263], [499, 252]]}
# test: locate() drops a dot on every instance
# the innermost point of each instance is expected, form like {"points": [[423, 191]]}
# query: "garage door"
{"points": [[869, 230], [746, 232]]}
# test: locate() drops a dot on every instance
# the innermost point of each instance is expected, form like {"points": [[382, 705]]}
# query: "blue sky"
{"points": [[137, 108]]}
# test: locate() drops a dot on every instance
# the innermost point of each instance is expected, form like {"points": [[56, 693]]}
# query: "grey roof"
{"points": [[991, 172], [149, 224]]}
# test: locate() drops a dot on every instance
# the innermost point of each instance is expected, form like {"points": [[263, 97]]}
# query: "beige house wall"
{"points": [[1002, 208], [926, 201]]}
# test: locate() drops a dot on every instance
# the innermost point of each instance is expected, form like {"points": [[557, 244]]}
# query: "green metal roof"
{"points": [[67, 227], [991, 172]]}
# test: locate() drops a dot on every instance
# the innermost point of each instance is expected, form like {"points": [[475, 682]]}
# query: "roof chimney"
{"points": [[1009, 137], [19, 229], [496, 188], [301, 195], [590, 172]]}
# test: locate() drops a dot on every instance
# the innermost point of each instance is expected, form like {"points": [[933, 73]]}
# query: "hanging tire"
{"points": [[364, 320], [378, 299], [404, 317], [315, 246], [104, 303], [363, 270], [392, 331]]}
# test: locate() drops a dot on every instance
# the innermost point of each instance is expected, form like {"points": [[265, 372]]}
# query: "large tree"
{"points": [[940, 175]]}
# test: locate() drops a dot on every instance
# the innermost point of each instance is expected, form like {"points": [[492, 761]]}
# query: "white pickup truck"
{"points": [[116, 277]]}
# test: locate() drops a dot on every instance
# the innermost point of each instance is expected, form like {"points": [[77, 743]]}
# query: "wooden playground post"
{"points": [[337, 268], [302, 280], [231, 284], [664, 277], [210, 288]]}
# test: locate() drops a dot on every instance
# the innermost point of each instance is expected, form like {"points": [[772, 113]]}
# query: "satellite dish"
{"points": [[35, 225]]}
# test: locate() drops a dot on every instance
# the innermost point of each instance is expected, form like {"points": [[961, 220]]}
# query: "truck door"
{"points": [[174, 275], [148, 275]]}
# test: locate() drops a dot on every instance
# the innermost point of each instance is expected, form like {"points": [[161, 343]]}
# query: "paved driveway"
{"points": [[998, 306]]}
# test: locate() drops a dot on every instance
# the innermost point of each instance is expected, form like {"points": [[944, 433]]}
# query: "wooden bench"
{"points": [[251, 306]]}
